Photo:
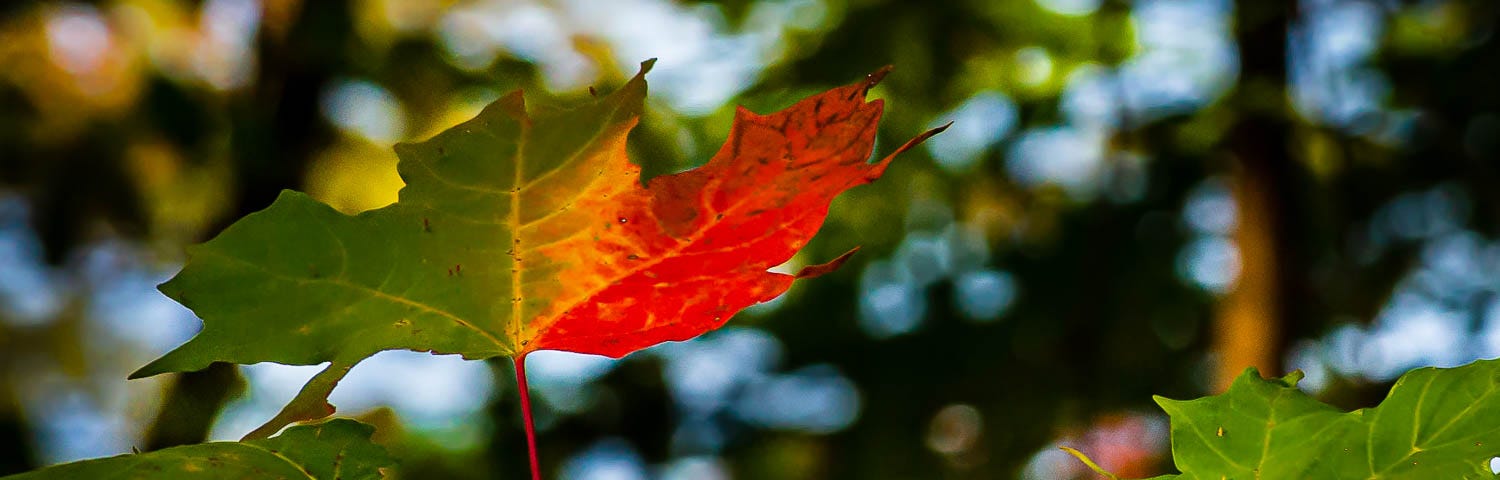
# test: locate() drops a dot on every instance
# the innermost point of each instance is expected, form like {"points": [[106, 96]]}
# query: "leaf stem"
{"points": [[1089, 462], [536, 470]]}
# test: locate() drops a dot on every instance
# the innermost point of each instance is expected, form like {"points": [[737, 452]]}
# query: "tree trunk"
{"points": [[1251, 328]]}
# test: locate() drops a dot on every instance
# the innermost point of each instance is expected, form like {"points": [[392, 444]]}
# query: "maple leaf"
{"points": [[522, 230]]}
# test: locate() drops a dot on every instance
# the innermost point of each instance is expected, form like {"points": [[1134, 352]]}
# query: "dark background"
{"points": [[1138, 197]]}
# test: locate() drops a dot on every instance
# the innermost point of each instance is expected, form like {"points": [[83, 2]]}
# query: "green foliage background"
{"points": [[128, 148]]}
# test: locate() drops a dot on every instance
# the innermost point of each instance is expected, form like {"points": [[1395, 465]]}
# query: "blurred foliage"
{"points": [[130, 128]]}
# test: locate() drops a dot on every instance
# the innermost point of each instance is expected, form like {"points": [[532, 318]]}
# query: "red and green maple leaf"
{"points": [[524, 230]]}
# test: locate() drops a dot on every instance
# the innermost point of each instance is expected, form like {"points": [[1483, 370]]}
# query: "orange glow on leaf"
{"points": [[681, 255]]}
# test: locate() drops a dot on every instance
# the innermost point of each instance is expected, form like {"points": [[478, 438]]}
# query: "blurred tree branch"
{"points": [[193, 403], [16, 448]]}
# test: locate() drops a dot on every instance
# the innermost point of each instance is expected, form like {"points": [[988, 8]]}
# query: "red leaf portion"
{"points": [[683, 254]]}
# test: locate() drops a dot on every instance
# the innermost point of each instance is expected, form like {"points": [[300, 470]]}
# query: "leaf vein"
{"points": [[1193, 426], [461, 186], [283, 458], [1464, 412], [377, 293]]}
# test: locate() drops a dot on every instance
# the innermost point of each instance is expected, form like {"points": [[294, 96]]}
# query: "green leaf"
{"points": [[300, 283], [337, 449], [1436, 423]]}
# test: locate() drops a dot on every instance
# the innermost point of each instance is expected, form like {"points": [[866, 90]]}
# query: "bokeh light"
{"points": [[1116, 175]]}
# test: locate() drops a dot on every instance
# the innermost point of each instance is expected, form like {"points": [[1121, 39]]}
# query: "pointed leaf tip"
{"points": [[1291, 379], [826, 268], [875, 173], [141, 373], [1251, 372], [646, 65], [922, 137], [876, 76]]}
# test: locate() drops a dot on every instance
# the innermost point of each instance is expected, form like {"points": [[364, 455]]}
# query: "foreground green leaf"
{"points": [[338, 449], [1435, 423]]}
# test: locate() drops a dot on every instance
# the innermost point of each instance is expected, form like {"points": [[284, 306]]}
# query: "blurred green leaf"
{"points": [[337, 449]]}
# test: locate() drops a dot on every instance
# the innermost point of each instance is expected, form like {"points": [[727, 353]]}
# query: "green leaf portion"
{"points": [[1435, 423], [337, 449], [300, 283]]}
